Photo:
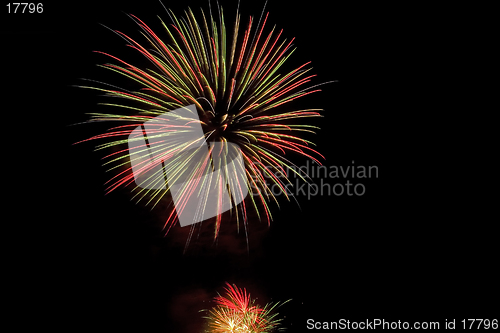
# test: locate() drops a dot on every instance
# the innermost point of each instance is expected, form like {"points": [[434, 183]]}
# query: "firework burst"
{"points": [[237, 312], [235, 80]]}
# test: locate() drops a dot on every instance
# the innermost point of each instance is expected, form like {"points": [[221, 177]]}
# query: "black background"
{"points": [[81, 260]]}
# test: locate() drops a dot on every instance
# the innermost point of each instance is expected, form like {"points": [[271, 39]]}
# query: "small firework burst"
{"points": [[237, 312], [235, 80]]}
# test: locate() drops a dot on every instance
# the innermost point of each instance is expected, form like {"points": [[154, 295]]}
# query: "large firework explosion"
{"points": [[237, 312], [236, 83]]}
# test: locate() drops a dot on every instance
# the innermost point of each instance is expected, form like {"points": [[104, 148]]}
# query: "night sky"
{"points": [[86, 261]]}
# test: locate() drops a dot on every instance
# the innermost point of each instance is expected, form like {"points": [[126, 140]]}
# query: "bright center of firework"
{"points": [[217, 127]]}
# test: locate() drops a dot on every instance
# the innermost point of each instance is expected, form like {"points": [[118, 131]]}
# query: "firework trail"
{"points": [[237, 312], [234, 78]]}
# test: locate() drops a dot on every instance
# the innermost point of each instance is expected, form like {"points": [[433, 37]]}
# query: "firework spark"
{"points": [[237, 312], [242, 95]]}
